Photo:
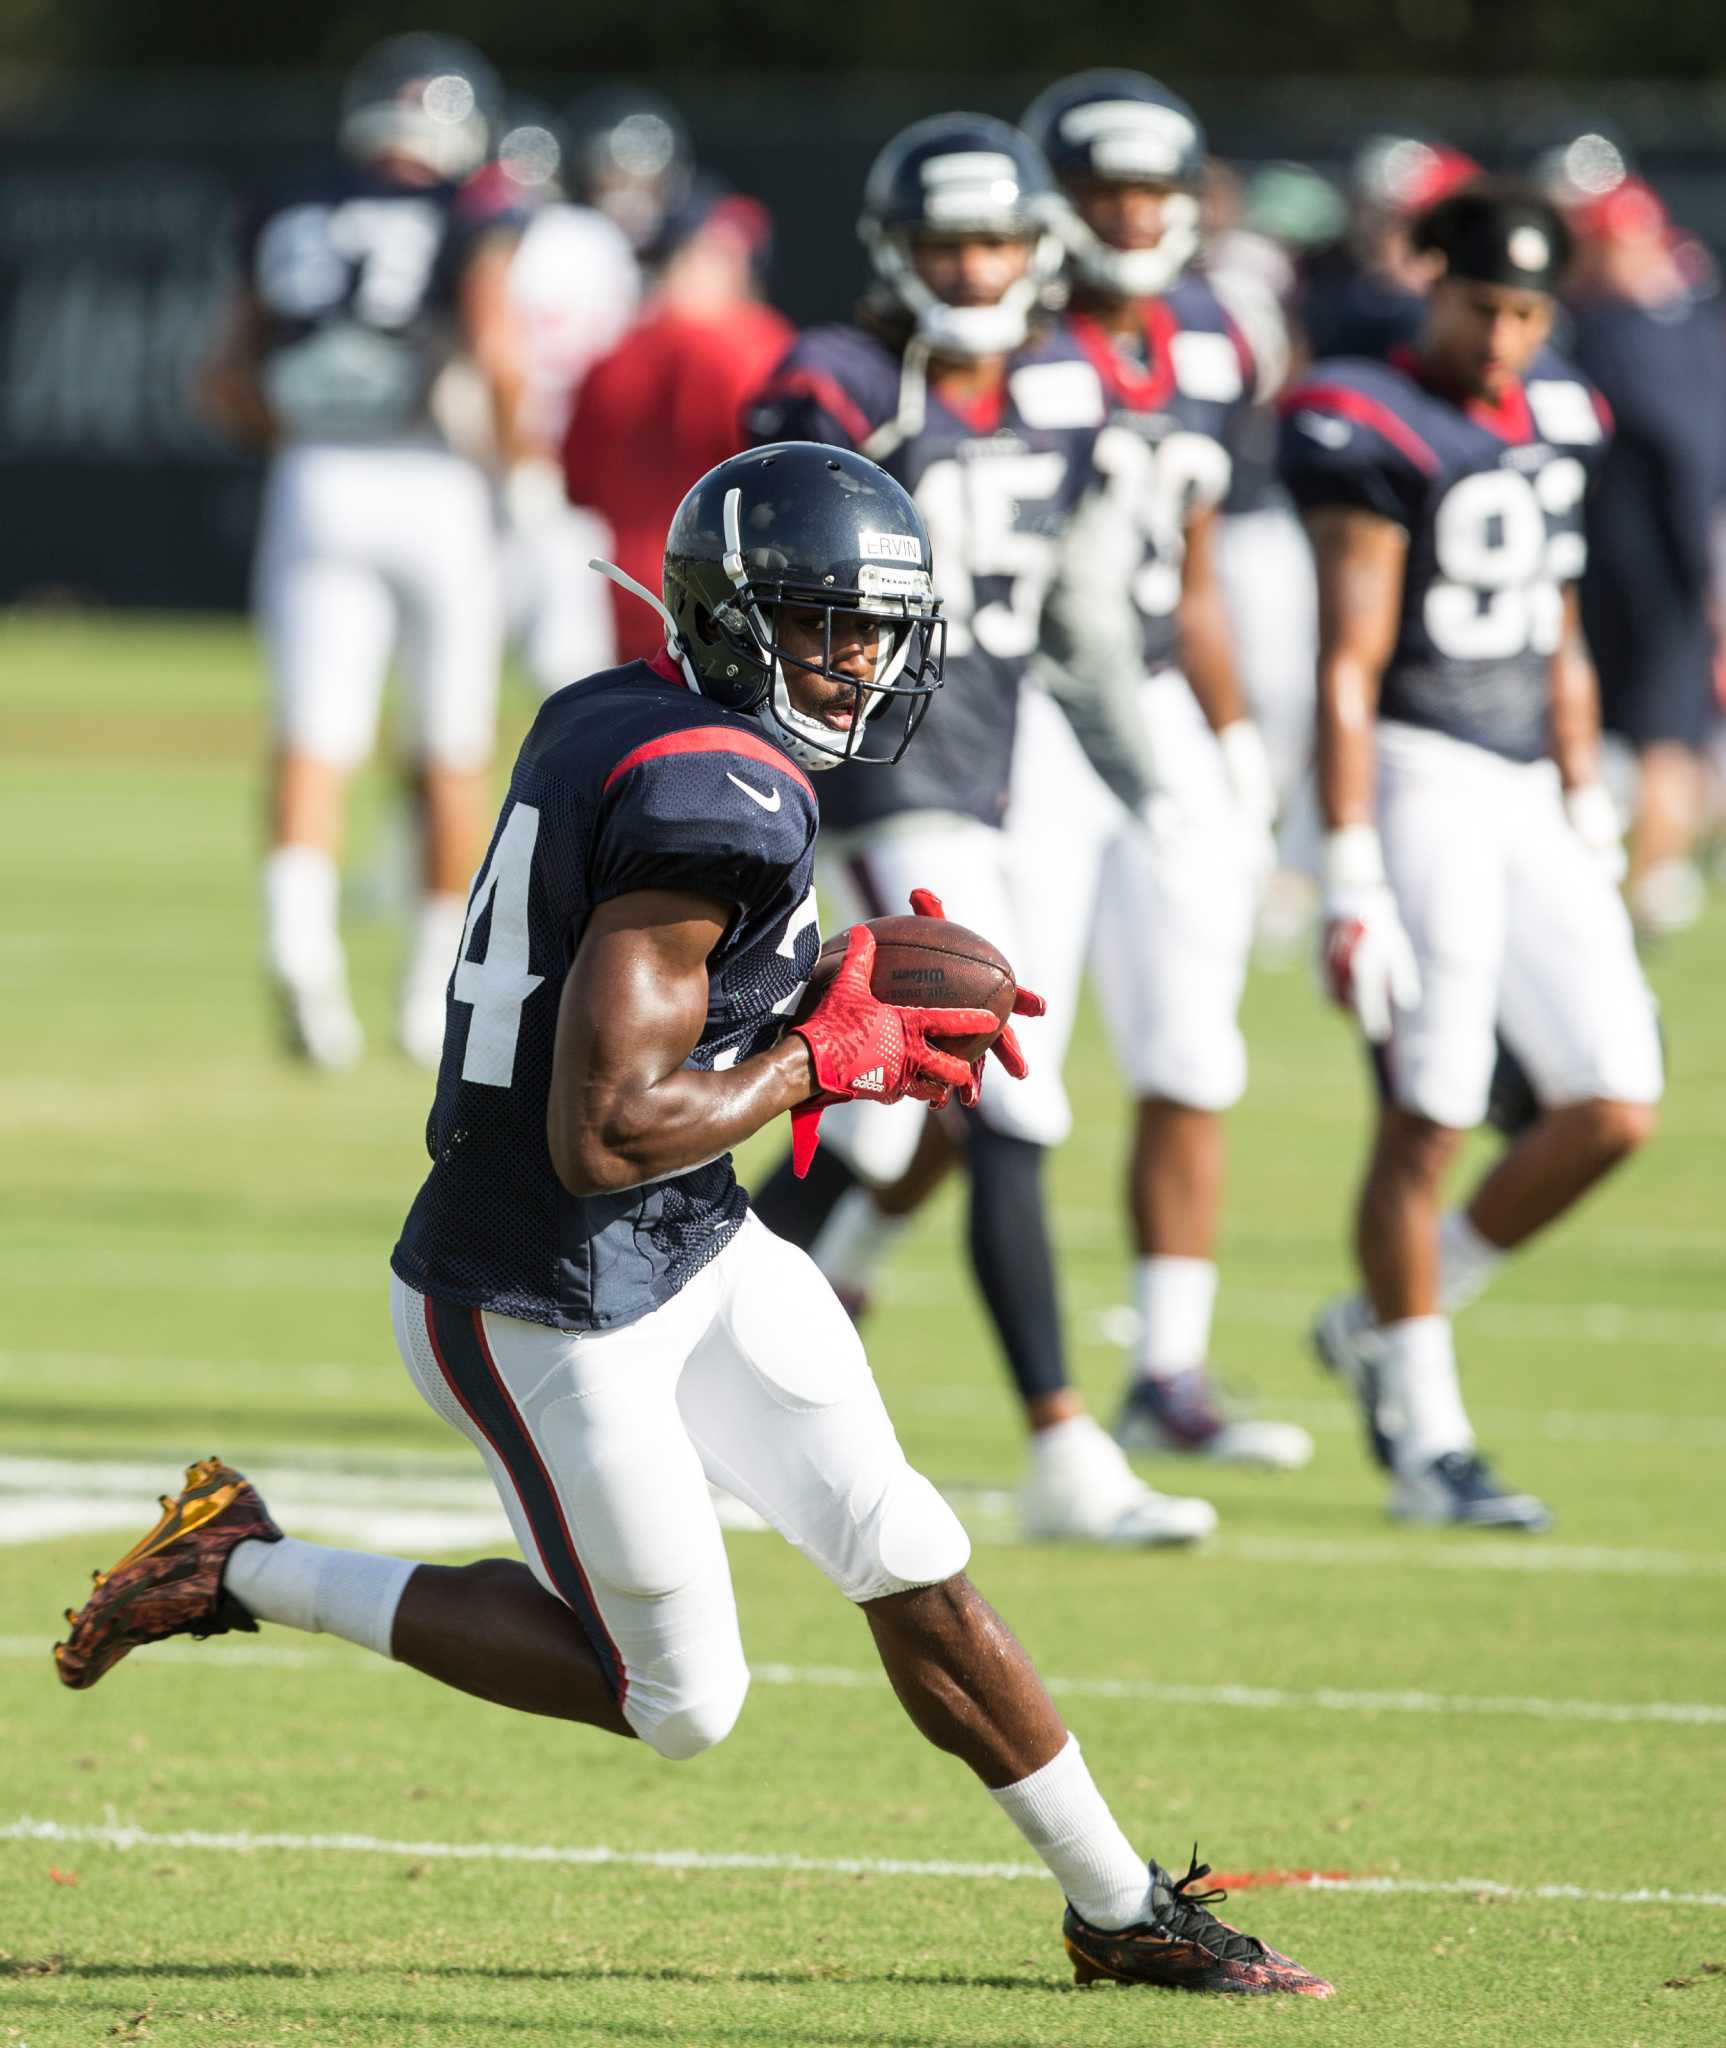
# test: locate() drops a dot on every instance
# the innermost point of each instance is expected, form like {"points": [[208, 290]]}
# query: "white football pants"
{"points": [[369, 552], [1516, 927], [601, 1447]]}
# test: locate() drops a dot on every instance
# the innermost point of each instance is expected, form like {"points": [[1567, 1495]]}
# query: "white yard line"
{"points": [[114, 1835], [840, 1678]]}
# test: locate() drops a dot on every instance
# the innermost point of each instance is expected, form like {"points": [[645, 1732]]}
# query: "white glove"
{"points": [[1594, 819], [1368, 960], [533, 495], [1247, 764]]}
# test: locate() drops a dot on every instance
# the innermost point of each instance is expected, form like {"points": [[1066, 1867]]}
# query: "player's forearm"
{"points": [[1208, 659], [1575, 714], [1347, 706], [617, 1135]]}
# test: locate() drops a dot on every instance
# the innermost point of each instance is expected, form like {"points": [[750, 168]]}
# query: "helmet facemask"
{"points": [[1133, 273], [967, 332], [898, 601]]}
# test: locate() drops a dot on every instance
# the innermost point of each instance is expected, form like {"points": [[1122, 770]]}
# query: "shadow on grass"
{"points": [[771, 2032]]}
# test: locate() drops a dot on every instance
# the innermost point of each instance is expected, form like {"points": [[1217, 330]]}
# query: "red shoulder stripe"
{"points": [[827, 392], [713, 739], [1350, 404]]}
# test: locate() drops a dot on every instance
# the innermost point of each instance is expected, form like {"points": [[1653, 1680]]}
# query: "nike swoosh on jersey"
{"points": [[769, 802]]}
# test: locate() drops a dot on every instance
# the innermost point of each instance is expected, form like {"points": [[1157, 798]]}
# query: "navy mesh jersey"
{"points": [[997, 484], [1177, 393], [1491, 499], [627, 781], [355, 279]]}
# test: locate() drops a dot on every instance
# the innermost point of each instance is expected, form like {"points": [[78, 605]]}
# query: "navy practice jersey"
{"points": [[1176, 394], [997, 485], [355, 277], [1645, 597], [1491, 501], [1344, 310], [627, 781]]}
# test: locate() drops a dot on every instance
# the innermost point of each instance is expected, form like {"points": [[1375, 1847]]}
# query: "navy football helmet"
{"points": [[430, 97], [800, 524], [951, 176], [1122, 127]]}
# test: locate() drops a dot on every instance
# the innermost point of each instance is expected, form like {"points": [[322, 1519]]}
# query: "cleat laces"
{"points": [[1186, 1914]]}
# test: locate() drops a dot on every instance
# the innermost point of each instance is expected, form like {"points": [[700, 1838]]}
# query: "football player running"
{"points": [[580, 1287], [991, 422], [1180, 884], [360, 285], [1472, 862]]}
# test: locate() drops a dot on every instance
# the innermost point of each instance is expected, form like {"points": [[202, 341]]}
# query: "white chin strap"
{"points": [[673, 645], [1134, 273], [807, 740], [966, 331]]}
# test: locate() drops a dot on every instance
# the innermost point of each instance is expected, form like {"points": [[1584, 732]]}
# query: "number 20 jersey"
{"points": [[1491, 499], [997, 484], [628, 781]]}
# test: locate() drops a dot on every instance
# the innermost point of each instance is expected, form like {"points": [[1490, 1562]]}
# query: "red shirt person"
{"points": [[662, 408]]}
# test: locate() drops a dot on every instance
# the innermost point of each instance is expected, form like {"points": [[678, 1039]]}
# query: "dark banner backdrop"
{"points": [[118, 207]]}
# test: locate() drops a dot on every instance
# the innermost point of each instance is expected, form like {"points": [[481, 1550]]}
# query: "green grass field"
{"points": [[193, 1258]]}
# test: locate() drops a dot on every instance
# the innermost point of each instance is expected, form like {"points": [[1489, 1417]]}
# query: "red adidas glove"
{"points": [[862, 1047], [925, 903]]}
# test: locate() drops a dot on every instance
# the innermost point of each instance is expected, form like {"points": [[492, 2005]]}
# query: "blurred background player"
{"points": [[992, 426], [630, 157], [663, 405], [574, 286], [1365, 294], [1180, 883], [361, 283], [1472, 859], [1257, 235], [1652, 337]]}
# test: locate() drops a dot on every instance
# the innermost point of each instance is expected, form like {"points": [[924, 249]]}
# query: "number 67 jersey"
{"points": [[1490, 497]]}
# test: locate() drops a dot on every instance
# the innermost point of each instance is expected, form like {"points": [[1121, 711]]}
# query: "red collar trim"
{"points": [[1510, 419], [983, 412], [1139, 390], [667, 669]]}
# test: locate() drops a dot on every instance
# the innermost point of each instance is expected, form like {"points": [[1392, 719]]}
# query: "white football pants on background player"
{"points": [[1516, 927], [367, 553], [1034, 909], [1174, 918], [602, 1445]]}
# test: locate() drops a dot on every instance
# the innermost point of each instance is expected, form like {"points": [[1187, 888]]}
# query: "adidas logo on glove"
{"points": [[872, 1082]]}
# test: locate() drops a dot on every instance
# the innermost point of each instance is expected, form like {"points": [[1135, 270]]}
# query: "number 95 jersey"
{"points": [[627, 782], [1490, 497], [997, 480]]}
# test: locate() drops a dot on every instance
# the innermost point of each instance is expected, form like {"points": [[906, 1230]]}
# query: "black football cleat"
{"points": [[1460, 1491], [1345, 1341], [1183, 1946], [170, 1582]]}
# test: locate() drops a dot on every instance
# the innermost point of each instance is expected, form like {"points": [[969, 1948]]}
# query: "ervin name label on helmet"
{"points": [[890, 547]]}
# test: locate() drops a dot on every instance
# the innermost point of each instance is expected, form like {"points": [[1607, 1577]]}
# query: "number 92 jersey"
{"points": [[354, 277], [1490, 497], [997, 483], [627, 782]]}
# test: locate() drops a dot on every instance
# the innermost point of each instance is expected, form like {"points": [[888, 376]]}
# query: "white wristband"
{"points": [[1592, 813], [1353, 859]]}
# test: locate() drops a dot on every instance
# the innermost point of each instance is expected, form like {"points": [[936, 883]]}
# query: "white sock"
{"points": [[438, 924], [851, 1245], [1078, 1442], [345, 1593], [1060, 1812], [302, 895], [1176, 1298], [1466, 1261], [1420, 1404]]}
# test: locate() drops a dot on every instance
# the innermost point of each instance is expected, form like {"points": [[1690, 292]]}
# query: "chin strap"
{"points": [[674, 645]]}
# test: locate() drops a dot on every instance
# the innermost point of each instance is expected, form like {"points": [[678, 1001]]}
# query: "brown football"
{"points": [[927, 963]]}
